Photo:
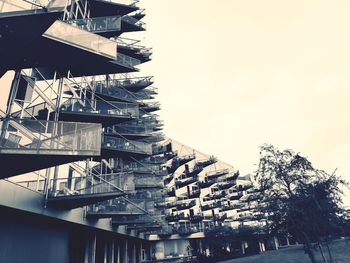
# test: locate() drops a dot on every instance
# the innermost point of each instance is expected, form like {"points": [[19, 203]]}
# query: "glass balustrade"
{"points": [[128, 82], [127, 61], [101, 107], [133, 21], [130, 129], [97, 24], [72, 35], [44, 137], [110, 89], [80, 186], [122, 144]]}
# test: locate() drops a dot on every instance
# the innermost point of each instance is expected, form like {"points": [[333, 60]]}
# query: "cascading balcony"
{"points": [[131, 24], [181, 183], [150, 107], [179, 161], [105, 112], [117, 208], [107, 26], [204, 163], [186, 205], [147, 182], [216, 174], [206, 183], [81, 49], [111, 90], [74, 192], [41, 144], [131, 48], [113, 147], [161, 149]]}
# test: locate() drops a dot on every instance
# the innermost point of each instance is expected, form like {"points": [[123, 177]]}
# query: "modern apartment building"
{"points": [[86, 173]]}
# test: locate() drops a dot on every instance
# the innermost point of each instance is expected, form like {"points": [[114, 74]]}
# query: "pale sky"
{"points": [[234, 74]]}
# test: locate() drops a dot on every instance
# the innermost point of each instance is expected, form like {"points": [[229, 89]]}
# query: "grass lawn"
{"points": [[295, 254]]}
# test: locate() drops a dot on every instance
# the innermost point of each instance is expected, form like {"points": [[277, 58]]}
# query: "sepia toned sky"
{"points": [[235, 74]]}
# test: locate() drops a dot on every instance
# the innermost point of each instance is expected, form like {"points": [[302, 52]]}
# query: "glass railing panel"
{"points": [[130, 129], [101, 107], [98, 24], [108, 88], [75, 36], [133, 21], [81, 186], [148, 181], [126, 145], [127, 60], [43, 136]]}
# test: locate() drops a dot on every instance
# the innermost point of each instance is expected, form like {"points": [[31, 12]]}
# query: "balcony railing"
{"points": [[135, 22], [98, 24], [71, 35], [28, 136], [216, 173], [101, 107], [127, 61], [80, 186], [122, 144], [109, 88]]}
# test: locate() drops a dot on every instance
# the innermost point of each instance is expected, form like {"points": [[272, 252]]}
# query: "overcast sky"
{"points": [[235, 74]]}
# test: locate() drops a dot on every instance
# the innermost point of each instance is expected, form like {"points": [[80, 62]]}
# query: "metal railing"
{"points": [[80, 186], [122, 144], [97, 24], [101, 107], [133, 21], [50, 137]]}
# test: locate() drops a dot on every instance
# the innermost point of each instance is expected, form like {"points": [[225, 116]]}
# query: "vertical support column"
{"points": [[134, 253], [141, 254], [125, 252], [275, 241]]}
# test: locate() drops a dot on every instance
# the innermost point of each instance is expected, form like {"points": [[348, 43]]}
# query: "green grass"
{"points": [[295, 254]]}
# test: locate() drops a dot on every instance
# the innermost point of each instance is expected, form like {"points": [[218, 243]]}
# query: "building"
{"points": [[86, 173]]}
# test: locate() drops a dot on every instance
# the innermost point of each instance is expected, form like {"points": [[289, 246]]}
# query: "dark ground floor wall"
{"points": [[32, 238]]}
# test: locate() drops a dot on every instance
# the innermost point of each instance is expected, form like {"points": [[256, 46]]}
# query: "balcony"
{"points": [[74, 192], [131, 24], [119, 208], [225, 185], [111, 90], [181, 183], [206, 183], [149, 107], [105, 112], [179, 161], [147, 182], [22, 25], [210, 206], [131, 48], [186, 205], [204, 163], [216, 174], [41, 144], [113, 147], [161, 149], [108, 26]]}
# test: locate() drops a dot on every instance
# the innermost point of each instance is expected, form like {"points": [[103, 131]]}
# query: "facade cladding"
{"points": [[86, 173]]}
